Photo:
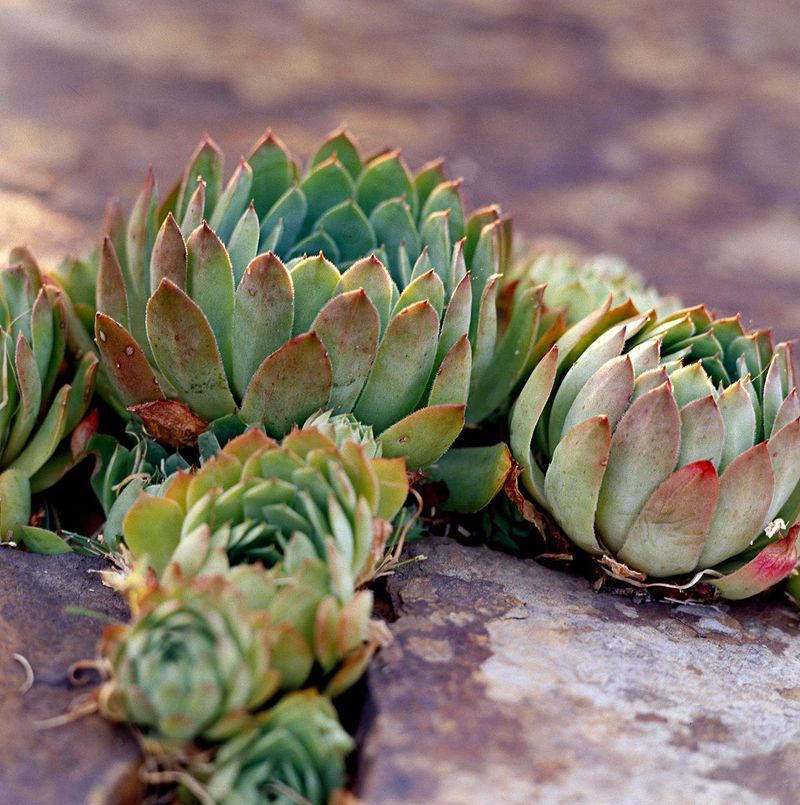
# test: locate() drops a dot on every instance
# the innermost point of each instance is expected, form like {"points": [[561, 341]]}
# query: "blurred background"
{"points": [[666, 131]]}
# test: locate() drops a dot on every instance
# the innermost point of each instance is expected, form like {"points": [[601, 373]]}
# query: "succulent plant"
{"points": [[317, 514], [255, 495], [294, 752], [194, 662], [43, 433], [576, 285], [341, 428], [667, 444], [388, 327]]}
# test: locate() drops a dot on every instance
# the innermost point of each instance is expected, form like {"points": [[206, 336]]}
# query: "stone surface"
{"points": [[87, 762], [512, 682]]}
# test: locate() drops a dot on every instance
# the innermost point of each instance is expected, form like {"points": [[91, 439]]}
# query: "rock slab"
{"points": [[87, 762], [510, 682]]}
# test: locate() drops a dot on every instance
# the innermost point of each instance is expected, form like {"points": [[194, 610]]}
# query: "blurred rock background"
{"points": [[666, 132]]}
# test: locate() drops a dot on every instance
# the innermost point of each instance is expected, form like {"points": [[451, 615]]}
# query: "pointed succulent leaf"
{"points": [[289, 212], [393, 484], [114, 227], [401, 368], [644, 451], [339, 144], [327, 185], [206, 162], [383, 178], [428, 178], [42, 335], [772, 397], [702, 432], [29, 387], [349, 328], [525, 415], [15, 503], [112, 298], [349, 229], [243, 243], [125, 363], [784, 448], [451, 382], [456, 318], [607, 392], [186, 351], [739, 417], [233, 201], [152, 530], [168, 258], [483, 262], [209, 283], [315, 280], [424, 436], [195, 211], [745, 493], [48, 435], [141, 236], [289, 386], [371, 275], [395, 230], [493, 384], [435, 236], [668, 535], [262, 316], [788, 412], [447, 196], [773, 564], [690, 383], [474, 476], [273, 172], [483, 328], [574, 478], [426, 287]]}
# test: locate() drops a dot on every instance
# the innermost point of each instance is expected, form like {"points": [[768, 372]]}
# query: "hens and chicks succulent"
{"points": [[316, 339]]}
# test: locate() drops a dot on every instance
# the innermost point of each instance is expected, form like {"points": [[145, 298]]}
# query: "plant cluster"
{"points": [[299, 354]]}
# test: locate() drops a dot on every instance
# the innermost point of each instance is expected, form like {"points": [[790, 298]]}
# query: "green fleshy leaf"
{"points": [[42, 541], [290, 385], [474, 476], [186, 352], [349, 328], [423, 436], [262, 318], [401, 368]]}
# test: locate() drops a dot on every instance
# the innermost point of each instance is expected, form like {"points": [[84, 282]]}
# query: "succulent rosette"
{"points": [[294, 752], [43, 433], [194, 662], [317, 514], [368, 287], [255, 494], [668, 445], [576, 285]]}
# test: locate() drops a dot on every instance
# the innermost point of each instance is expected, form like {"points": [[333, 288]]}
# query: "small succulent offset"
{"points": [[38, 410], [194, 662], [667, 444], [294, 750], [255, 495]]}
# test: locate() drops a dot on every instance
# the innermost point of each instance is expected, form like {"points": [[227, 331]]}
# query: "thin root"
{"points": [[29, 678]]}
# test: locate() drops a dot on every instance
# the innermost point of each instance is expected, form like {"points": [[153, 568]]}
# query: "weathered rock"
{"points": [[87, 761], [512, 682]]}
